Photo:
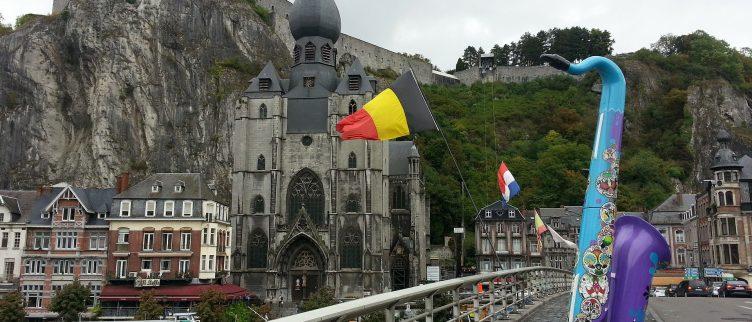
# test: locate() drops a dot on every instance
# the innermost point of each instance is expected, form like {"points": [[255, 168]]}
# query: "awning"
{"points": [[666, 280], [173, 293]]}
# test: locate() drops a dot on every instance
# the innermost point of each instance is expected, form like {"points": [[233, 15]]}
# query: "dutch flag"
{"points": [[508, 186]]}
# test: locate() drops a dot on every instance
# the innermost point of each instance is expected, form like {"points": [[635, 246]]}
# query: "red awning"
{"points": [[172, 293]]}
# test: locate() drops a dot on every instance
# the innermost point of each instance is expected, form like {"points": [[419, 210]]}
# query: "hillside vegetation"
{"points": [[544, 131]]}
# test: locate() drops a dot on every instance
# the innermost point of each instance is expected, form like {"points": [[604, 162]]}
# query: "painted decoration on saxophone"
{"points": [[596, 232]]}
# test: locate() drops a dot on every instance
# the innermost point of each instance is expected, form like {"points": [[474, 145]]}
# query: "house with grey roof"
{"points": [[66, 241], [168, 231], [566, 221], [15, 208], [505, 238], [670, 218]]}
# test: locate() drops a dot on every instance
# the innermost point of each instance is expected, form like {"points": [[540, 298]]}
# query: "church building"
{"points": [[311, 210]]}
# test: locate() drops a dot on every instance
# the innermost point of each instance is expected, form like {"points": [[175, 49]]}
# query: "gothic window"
{"points": [[399, 198], [261, 163], [353, 82], [400, 272], [326, 54], [351, 241], [352, 108], [729, 198], [306, 191], [352, 203], [258, 205], [305, 261], [352, 161], [721, 199], [257, 248], [262, 111], [265, 84], [296, 54], [310, 52], [401, 224]]}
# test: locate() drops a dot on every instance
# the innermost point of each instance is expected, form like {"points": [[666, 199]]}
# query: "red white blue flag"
{"points": [[508, 186]]}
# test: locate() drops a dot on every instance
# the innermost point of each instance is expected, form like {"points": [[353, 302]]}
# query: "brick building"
{"points": [[66, 240], [166, 231], [505, 238]]}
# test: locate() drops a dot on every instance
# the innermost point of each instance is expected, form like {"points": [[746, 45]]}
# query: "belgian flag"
{"points": [[398, 111]]}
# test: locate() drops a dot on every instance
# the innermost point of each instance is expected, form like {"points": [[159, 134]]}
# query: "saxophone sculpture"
{"points": [[637, 262]]}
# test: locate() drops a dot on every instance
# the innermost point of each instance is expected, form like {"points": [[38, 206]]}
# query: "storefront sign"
{"points": [[434, 273], [146, 282]]}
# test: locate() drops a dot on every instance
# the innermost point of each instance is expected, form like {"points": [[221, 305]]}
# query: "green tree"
{"points": [[502, 54], [461, 65], [530, 47], [470, 56], [4, 29], [12, 308], [238, 311], [148, 307], [70, 302], [211, 306], [322, 298]]}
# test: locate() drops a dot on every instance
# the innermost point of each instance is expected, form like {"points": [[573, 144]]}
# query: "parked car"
{"points": [[693, 288], [659, 292], [671, 290], [716, 286], [731, 288]]}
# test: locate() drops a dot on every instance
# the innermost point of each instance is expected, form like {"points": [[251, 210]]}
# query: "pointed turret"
{"points": [[725, 158], [356, 81], [266, 84]]}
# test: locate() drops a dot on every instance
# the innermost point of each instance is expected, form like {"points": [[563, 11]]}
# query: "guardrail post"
{"points": [[492, 299], [456, 307], [429, 307], [389, 314], [476, 305]]}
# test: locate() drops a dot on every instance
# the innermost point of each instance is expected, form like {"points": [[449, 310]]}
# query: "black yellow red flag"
{"points": [[398, 111]]}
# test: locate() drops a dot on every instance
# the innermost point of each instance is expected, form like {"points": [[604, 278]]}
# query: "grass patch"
{"points": [[26, 19], [262, 12], [387, 73]]}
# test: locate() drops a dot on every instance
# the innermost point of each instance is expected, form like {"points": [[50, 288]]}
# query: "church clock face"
{"points": [[309, 82]]}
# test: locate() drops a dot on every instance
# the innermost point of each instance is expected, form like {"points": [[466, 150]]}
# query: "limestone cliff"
{"points": [[109, 86]]}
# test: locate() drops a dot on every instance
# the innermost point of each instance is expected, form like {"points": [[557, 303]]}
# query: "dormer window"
{"points": [[512, 214], [353, 82], [488, 213], [156, 187], [125, 208], [310, 52], [265, 84], [326, 54], [179, 187], [296, 54]]}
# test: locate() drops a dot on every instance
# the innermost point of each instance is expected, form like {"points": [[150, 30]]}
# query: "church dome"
{"points": [[725, 158], [310, 18]]}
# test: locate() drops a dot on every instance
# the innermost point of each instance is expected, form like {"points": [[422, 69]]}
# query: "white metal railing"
{"points": [[504, 292]]}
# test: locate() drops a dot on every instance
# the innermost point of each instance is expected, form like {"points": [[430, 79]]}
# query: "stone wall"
{"points": [[369, 54], [507, 74], [59, 5]]}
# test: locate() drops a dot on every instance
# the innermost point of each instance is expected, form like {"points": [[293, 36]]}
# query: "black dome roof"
{"points": [[310, 18]]}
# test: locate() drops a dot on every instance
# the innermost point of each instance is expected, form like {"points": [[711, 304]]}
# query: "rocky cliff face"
{"points": [[711, 105], [108, 86]]}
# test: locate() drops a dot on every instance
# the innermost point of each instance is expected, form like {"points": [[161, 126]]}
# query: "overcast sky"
{"points": [[441, 29]]}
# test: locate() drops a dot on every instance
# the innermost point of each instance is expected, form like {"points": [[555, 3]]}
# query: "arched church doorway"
{"points": [[305, 266]]}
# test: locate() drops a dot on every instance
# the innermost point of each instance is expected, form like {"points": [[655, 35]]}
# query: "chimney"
{"points": [[122, 182], [43, 190]]}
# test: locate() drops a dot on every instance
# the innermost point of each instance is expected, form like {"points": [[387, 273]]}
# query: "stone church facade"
{"points": [[308, 209]]}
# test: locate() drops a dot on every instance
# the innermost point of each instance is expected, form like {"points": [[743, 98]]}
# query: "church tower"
{"points": [[310, 210]]}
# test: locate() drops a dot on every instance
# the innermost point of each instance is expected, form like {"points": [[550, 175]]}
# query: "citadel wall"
{"points": [[59, 5], [507, 74]]}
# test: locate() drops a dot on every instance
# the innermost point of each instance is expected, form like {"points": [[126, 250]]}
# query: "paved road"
{"points": [[670, 309]]}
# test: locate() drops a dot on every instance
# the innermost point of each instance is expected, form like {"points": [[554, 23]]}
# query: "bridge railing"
{"points": [[503, 292]]}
